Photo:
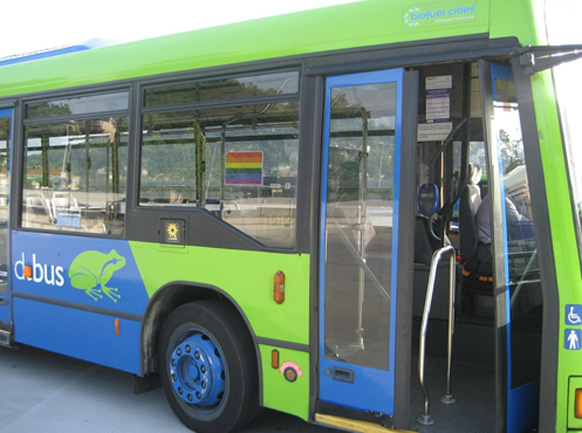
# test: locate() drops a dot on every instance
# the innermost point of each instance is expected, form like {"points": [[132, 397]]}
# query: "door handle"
{"points": [[342, 374]]}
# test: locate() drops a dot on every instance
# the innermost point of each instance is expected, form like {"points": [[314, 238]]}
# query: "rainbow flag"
{"points": [[244, 168]]}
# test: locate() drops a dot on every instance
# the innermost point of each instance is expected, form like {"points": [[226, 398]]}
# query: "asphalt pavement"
{"points": [[45, 392]]}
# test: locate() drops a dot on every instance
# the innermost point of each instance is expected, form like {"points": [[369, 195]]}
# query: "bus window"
{"points": [[80, 105], [75, 170], [238, 162], [223, 89]]}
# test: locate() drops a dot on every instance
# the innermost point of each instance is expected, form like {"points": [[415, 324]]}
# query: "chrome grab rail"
{"points": [[426, 419]]}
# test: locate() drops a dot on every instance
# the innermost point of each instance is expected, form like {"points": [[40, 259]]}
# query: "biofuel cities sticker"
{"points": [[439, 13]]}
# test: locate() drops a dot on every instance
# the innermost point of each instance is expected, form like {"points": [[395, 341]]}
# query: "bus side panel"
{"points": [[81, 334], [247, 277], [565, 250], [91, 272], [286, 383], [68, 292]]}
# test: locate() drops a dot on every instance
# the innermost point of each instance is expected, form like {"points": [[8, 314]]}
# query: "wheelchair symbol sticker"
{"points": [[572, 339], [574, 314]]}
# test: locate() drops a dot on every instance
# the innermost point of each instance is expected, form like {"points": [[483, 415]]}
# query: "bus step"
{"points": [[5, 338], [354, 425]]}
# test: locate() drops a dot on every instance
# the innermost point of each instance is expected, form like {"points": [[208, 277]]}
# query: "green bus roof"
{"points": [[352, 25]]}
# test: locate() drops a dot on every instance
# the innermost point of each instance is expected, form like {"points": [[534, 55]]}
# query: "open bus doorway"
{"points": [[479, 169], [470, 153], [5, 142]]}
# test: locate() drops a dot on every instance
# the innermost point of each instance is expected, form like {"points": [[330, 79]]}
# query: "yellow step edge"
{"points": [[354, 425]]}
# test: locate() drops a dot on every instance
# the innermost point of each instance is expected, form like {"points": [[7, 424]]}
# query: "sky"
{"points": [[28, 25]]}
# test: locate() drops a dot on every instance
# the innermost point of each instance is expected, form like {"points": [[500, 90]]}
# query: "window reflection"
{"points": [[102, 103], [522, 269], [224, 89], [240, 163], [75, 175], [359, 224]]}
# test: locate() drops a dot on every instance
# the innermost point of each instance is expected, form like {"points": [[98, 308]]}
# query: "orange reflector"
{"points": [[117, 328], [28, 271], [578, 403], [275, 359], [279, 287]]}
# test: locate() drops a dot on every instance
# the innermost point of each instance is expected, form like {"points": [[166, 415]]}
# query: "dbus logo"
{"points": [[90, 272], [41, 273]]}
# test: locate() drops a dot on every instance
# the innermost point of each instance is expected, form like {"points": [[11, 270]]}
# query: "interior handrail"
{"points": [[425, 418]]}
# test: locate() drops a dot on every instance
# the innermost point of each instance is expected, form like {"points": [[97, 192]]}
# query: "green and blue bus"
{"points": [[336, 214]]}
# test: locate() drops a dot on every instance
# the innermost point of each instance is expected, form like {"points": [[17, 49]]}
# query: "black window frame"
{"points": [[241, 239], [19, 157]]}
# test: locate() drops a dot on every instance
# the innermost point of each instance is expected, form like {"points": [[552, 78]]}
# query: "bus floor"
{"points": [[472, 386]]}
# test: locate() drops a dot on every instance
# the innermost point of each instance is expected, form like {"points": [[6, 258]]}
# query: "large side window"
{"points": [[237, 160], [75, 164]]}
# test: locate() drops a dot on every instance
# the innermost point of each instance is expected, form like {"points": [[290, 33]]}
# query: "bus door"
{"points": [[517, 288], [5, 140], [367, 240]]}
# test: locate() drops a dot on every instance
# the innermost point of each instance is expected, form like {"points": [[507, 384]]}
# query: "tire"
{"points": [[208, 367]]}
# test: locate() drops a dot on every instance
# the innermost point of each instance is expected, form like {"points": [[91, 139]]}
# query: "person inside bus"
{"points": [[483, 218], [483, 222]]}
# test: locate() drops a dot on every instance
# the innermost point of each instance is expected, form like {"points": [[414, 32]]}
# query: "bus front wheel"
{"points": [[208, 368]]}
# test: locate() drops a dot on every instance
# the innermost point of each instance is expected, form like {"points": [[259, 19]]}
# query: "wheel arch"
{"points": [[167, 299]]}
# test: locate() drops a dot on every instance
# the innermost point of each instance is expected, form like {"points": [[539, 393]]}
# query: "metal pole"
{"points": [[425, 418], [448, 397], [222, 165], [362, 211]]}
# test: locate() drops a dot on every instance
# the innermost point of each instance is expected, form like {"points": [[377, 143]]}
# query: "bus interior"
{"points": [[458, 167]]}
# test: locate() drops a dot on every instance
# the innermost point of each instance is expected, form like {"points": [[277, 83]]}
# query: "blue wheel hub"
{"points": [[197, 371]]}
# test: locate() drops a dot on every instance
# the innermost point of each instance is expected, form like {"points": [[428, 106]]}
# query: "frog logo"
{"points": [[91, 271]]}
